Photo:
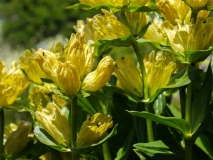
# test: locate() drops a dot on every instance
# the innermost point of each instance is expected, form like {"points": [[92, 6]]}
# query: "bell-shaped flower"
{"points": [[12, 84], [129, 76], [196, 4], [18, 139], [31, 67], [116, 3], [55, 123], [80, 55], [159, 69], [188, 37], [99, 77], [107, 26], [155, 32], [137, 20], [174, 9], [93, 129]]}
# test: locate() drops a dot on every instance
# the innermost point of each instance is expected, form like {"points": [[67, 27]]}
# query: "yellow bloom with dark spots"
{"points": [[93, 129], [12, 84], [55, 123], [159, 69], [107, 26], [129, 76], [99, 77], [188, 37]]}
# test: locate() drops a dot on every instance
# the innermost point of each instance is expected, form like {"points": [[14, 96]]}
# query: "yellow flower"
{"points": [[93, 129], [80, 55], [60, 51], [107, 26], [18, 139], [174, 9], [139, 2], [159, 69], [31, 67], [98, 78], [203, 14], [197, 4], [12, 84], [117, 3], [128, 76], [137, 21], [189, 36], [55, 123], [155, 33]]}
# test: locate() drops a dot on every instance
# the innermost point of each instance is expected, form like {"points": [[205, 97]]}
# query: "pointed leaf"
{"points": [[90, 148], [139, 154], [137, 8], [45, 138], [179, 124]]}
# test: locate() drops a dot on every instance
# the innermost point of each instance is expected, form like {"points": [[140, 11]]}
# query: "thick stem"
{"points": [[73, 125], [149, 126], [188, 149], [106, 151], [182, 100], [188, 107], [1, 132]]}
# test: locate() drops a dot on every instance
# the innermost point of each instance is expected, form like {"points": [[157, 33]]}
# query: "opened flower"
{"points": [[55, 123], [188, 37], [129, 76], [12, 84], [93, 129], [159, 69]]}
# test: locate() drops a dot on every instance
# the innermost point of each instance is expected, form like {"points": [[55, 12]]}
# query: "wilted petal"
{"points": [[93, 129], [128, 76], [98, 78], [55, 123]]}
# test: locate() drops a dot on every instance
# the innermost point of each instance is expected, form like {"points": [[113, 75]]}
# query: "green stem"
{"points": [[149, 126], [188, 149], [73, 118], [182, 100], [188, 107], [1, 132], [106, 151]]}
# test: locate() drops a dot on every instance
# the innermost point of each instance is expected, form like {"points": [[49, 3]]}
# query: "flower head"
{"points": [[116, 3], [93, 129], [128, 76], [197, 4], [98, 78], [159, 69], [55, 123]]}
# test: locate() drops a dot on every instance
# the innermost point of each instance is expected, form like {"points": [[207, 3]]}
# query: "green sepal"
{"points": [[90, 148], [179, 124], [182, 78], [143, 30], [46, 80], [59, 93], [137, 8], [47, 139], [193, 56], [107, 43], [155, 44], [94, 9], [160, 150], [140, 155]]}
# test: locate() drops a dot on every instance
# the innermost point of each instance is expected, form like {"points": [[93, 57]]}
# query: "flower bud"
{"points": [[128, 76], [18, 139], [93, 129], [197, 4], [98, 78], [55, 123]]}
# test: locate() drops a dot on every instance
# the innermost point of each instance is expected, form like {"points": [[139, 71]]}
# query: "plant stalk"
{"points": [[1, 133], [182, 94], [106, 151], [149, 126], [188, 107], [73, 125], [188, 149]]}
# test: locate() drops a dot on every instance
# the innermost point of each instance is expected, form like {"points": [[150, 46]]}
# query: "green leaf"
{"points": [[139, 154], [45, 138], [137, 8], [155, 44], [101, 45], [160, 150], [179, 124], [159, 104], [90, 148], [124, 150], [174, 111], [201, 105], [205, 145], [94, 9], [143, 30]]}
